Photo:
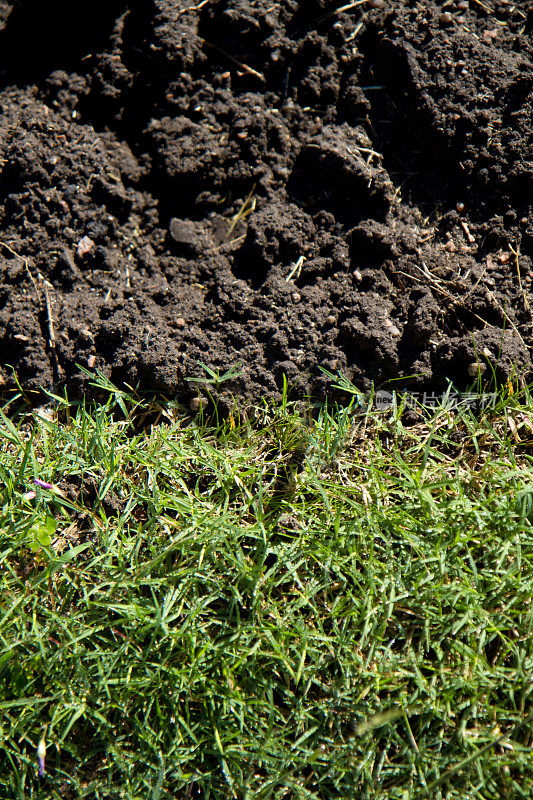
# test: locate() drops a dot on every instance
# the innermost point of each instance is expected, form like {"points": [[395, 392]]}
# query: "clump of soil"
{"points": [[284, 186]]}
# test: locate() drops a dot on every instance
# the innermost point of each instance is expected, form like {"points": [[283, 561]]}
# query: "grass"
{"points": [[284, 605]]}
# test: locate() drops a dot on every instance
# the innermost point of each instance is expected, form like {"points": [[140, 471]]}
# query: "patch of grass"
{"points": [[289, 605]]}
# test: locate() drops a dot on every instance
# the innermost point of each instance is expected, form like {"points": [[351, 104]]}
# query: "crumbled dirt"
{"points": [[279, 185]]}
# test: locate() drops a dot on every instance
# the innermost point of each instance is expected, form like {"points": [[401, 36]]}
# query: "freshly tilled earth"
{"points": [[281, 187]]}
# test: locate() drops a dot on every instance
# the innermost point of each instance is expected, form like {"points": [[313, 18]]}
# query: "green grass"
{"points": [[289, 605]]}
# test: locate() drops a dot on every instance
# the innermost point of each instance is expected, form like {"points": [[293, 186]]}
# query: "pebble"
{"points": [[196, 404], [357, 276], [180, 322], [296, 296], [91, 361], [445, 18], [331, 319], [392, 328], [476, 368], [84, 246]]}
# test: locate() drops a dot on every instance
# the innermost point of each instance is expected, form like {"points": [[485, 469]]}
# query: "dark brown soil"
{"points": [[282, 185]]}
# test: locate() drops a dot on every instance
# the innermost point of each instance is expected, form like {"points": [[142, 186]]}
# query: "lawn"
{"points": [[291, 602]]}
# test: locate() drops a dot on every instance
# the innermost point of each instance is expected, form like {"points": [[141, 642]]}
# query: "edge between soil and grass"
{"points": [[292, 602]]}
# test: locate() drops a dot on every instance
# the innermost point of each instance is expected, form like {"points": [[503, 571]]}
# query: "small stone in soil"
{"points": [[476, 368], [392, 328], [85, 245], [196, 404]]}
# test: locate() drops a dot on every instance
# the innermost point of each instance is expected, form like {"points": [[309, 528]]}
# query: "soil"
{"points": [[284, 186]]}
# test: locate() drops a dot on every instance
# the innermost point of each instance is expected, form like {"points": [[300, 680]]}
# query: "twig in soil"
{"points": [[428, 235], [224, 244], [49, 317], [50, 323], [471, 32], [42, 289], [28, 270], [244, 67], [516, 253], [470, 239], [455, 302], [354, 33], [193, 8], [435, 285], [296, 271], [247, 208], [429, 275], [346, 7], [127, 275], [488, 263], [507, 317], [483, 6], [365, 150]]}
